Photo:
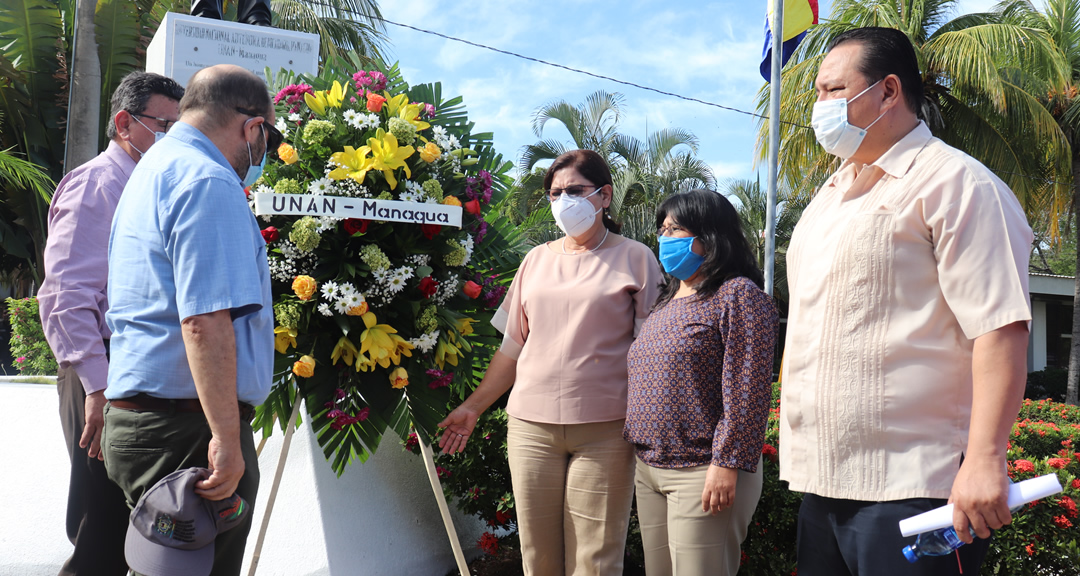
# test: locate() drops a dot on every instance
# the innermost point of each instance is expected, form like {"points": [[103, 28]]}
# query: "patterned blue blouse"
{"points": [[701, 378]]}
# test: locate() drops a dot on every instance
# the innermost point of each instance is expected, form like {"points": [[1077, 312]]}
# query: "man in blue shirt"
{"points": [[191, 313]]}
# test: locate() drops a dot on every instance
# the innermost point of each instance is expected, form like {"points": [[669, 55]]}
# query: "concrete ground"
{"points": [[378, 518]]}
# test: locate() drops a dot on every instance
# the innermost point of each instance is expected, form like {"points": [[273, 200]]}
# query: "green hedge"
{"points": [[29, 350]]}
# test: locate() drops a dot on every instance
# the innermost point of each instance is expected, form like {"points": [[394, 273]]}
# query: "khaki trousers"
{"points": [[681, 540], [573, 487]]}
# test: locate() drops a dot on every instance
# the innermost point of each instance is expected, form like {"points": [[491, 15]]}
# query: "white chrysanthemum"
{"points": [[395, 284], [327, 223], [282, 126], [345, 290], [330, 290], [426, 342], [367, 121], [341, 306], [353, 300], [350, 118], [321, 186], [453, 142], [264, 189], [410, 196], [404, 272], [430, 200], [467, 243], [294, 117], [381, 275], [325, 310], [438, 131]]}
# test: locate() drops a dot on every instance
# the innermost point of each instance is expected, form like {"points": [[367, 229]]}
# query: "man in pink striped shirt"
{"points": [[73, 303]]}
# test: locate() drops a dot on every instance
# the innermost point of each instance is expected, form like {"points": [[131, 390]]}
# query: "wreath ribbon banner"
{"points": [[269, 204]]}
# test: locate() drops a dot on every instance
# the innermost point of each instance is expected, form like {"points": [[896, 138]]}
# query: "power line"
{"points": [[562, 66]]}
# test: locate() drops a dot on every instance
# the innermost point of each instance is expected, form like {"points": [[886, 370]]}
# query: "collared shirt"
{"points": [[184, 242], [72, 298], [701, 379], [568, 320], [893, 271]]}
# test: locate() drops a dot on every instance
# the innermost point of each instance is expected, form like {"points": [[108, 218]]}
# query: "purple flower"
{"points": [[339, 394]]}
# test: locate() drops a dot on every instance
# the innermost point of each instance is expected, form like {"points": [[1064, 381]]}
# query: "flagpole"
{"points": [[777, 27]]}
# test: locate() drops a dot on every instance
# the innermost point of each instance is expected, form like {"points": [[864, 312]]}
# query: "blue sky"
{"points": [[705, 50]]}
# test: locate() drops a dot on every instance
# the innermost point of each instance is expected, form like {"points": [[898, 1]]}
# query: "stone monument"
{"points": [[186, 44]]}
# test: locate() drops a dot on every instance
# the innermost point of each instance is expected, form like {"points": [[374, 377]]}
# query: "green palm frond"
{"points": [[116, 23], [344, 26]]}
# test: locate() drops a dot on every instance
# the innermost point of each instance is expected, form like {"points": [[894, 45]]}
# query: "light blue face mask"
{"points": [[677, 258], [254, 170]]}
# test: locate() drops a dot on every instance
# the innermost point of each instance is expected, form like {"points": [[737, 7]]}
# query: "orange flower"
{"points": [[399, 378], [358, 310], [473, 207], [375, 102], [304, 367], [471, 289], [451, 201], [287, 153], [304, 287]]}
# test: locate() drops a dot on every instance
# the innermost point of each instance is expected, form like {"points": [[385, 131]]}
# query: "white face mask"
{"points": [[831, 127], [157, 137], [574, 214]]}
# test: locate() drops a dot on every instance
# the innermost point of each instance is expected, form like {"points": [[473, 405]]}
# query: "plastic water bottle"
{"points": [[937, 543]]}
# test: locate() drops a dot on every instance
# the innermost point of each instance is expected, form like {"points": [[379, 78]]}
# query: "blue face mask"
{"points": [[677, 258], [254, 170]]}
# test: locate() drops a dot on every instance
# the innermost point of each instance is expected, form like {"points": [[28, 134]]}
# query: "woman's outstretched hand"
{"points": [[458, 426]]}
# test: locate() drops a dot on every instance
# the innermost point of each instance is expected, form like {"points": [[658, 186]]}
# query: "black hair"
{"points": [[710, 218], [218, 93], [134, 92], [888, 51], [593, 168]]}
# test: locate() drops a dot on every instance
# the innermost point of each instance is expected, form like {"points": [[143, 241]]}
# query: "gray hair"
{"points": [[134, 92]]}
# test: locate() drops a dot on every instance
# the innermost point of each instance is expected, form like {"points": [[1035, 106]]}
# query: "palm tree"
{"points": [[643, 173], [752, 200], [1060, 19], [978, 77], [35, 76]]}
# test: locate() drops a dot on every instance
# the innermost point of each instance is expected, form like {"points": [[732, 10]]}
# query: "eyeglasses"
{"points": [[165, 122], [576, 191], [273, 135], [669, 230]]}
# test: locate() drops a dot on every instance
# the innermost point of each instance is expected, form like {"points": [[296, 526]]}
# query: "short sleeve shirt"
{"points": [[893, 271], [569, 320], [184, 242]]}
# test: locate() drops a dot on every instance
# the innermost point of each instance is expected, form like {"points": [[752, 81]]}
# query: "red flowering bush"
{"points": [[1043, 538], [29, 350]]}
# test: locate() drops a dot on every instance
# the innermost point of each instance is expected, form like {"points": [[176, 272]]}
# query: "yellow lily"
{"points": [[323, 98], [387, 156], [317, 102], [382, 343], [364, 363], [352, 163], [394, 104], [464, 325], [447, 353], [335, 95], [410, 113], [345, 350], [284, 338]]}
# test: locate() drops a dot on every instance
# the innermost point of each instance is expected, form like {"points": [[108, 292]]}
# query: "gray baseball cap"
{"points": [[172, 528]]}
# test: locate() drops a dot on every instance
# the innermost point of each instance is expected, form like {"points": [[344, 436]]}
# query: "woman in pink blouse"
{"points": [[568, 320], [700, 384]]}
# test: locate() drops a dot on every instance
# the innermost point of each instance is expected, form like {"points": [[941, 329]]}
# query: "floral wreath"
{"points": [[377, 323]]}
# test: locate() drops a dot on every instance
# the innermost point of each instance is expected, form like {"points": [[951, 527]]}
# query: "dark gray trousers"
{"points": [[97, 516], [144, 447], [857, 538]]}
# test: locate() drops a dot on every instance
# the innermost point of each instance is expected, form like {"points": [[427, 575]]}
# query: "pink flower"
{"points": [[20, 359]]}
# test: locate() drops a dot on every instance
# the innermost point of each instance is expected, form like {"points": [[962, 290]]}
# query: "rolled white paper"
{"points": [[1019, 493]]}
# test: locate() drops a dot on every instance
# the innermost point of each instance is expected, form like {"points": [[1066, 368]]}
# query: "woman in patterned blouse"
{"points": [[699, 389]]}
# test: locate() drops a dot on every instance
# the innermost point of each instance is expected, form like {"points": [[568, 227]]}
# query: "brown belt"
{"points": [[147, 403]]}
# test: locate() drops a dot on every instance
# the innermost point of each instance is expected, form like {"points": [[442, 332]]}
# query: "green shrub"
{"points": [[29, 349]]}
